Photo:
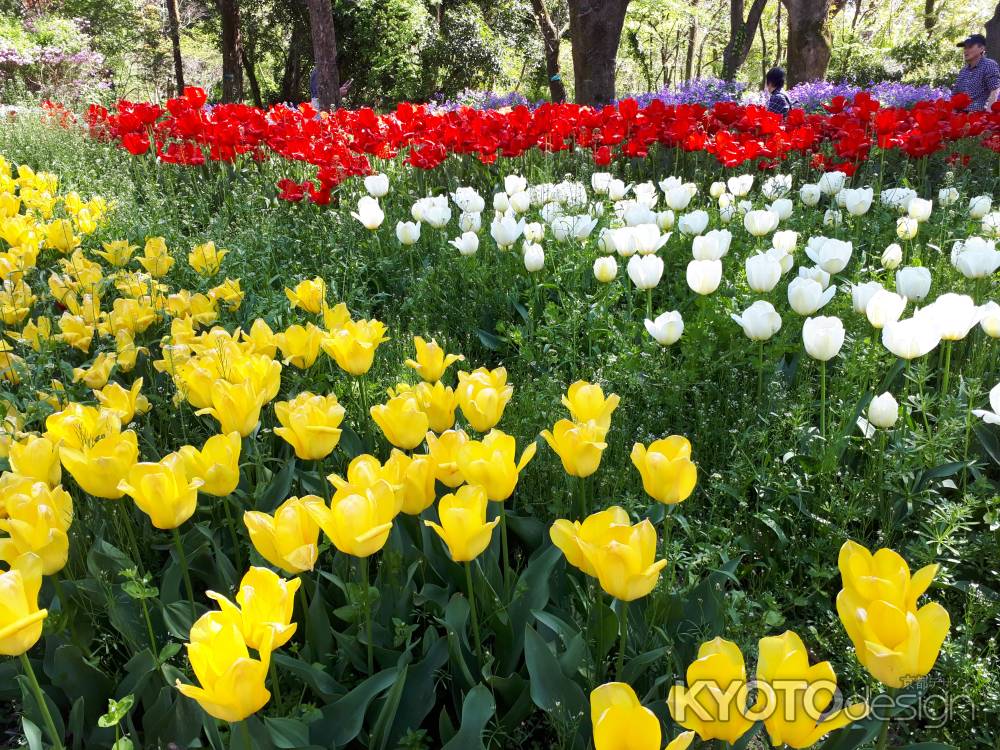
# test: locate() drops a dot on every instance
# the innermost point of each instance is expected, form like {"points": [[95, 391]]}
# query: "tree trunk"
{"points": [[550, 41], [595, 27], [689, 60], [174, 23], [808, 40], [993, 34], [232, 64], [741, 32], [777, 36], [251, 72], [324, 41]]}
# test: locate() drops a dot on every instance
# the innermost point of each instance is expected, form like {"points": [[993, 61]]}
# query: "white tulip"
{"points": [[948, 196], [991, 224], [954, 315], [369, 213], [712, 245], [534, 231], [606, 240], [832, 255], [740, 185], [785, 239], [408, 232], [910, 338], [883, 411], [506, 230], [468, 200], [551, 211], [514, 183], [727, 213], [534, 257], [815, 273], [920, 209], [665, 219], [823, 336], [892, 256], [694, 222], [806, 296], [913, 282], [703, 276], [470, 222], [991, 417], [979, 206], [745, 206], [617, 190], [599, 181], [668, 183], [760, 321], [635, 213], [625, 242], [727, 199], [785, 260], [760, 223], [810, 194], [884, 308], [501, 203], [783, 207], [832, 183], [578, 227], [605, 269], [666, 328], [437, 215], [520, 202], [377, 185], [906, 227], [832, 218], [858, 201], [422, 206], [717, 189], [645, 270], [898, 198], [648, 238], [467, 244], [861, 295], [678, 198], [596, 209], [645, 193], [777, 186], [990, 319], [763, 273]]}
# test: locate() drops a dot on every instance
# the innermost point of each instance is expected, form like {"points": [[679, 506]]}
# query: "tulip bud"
{"points": [[883, 411], [717, 189], [704, 276], [520, 202], [920, 209], [605, 269], [806, 295], [783, 207], [377, 185], [884, 307], [913, 282], [665, 220], [514, 183], [810, 194], [990, 321], [740, 184], [979, 206], [408, 232], [991, 224], [369, 214], [760, 321], [467, 244], [534, 257], [760, 223], [763, 272], [906, 227], [892, 256], [666, 328], [645, 270], [823, 337], [534, 232], [693, 222], [470, 222]]}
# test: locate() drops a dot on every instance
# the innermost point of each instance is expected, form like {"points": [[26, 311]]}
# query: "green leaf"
{"points": [[414, 705], [380, 732], [278, 490], [551, 690], [313, 676], [75, 676], [287, 733], [116, 711], [477, 709], [342, 720], [926, 746]]}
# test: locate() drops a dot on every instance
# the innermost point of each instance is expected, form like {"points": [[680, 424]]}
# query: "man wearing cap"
{"points": [[980, 78]]}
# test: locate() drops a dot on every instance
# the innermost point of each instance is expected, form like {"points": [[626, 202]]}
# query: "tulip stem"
{"points": [[50, 725], [760, 369], [245, 732], [149, 629], [822, 399], [474, 613], [668, 526], [947, 368], [368, 613], [581, 494], [649, 304], [505, 550], [182, 556], [622, 637], [272, 668], [233, 534]]}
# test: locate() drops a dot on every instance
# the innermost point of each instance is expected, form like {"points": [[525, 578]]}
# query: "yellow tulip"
{"points": [[336, 317], [206, 259], [117, 253], [353, 346], [232, 684], [262, 339], [801, 694], [229, 293], [578, 445], [126, 352], [217, 464], [288, 539], [443, 450], [99, 468], [263, 608], [894, 640], [96, 376], [431, 361], [358, 523], [483, 395], [464, 528], [310, 424], [38, 519], [491, 463], [364, 472], [11, 365], [714, 702], [80, 426], [401, 420], [20, 617], [59, 236], [595, 531], [436, 400], [75, 331], [586, 403], [300, 345], [131, 315], [125, 404], [38, 458], [235, 406], [36, 332], [163, 491], [620, 722], [625, 561], [414, 475], [668, 474], [156, 258], [309, 295]]}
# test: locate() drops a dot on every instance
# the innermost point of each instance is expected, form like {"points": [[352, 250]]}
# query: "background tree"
{"points": [[551, 38], [993, 34], [741, 36], [808, 40], [232, 59], [174, 23], [595, 27], [324, 43]]}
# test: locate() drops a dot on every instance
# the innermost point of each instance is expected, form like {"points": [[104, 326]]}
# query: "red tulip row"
{"points": [[186, 131]]}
